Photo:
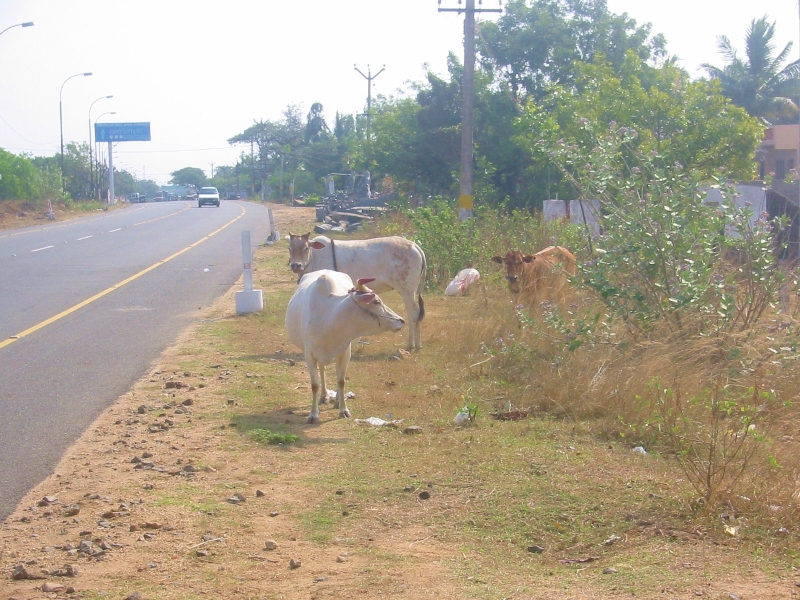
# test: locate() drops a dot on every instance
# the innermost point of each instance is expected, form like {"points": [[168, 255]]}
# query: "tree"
{"points": [[125, 184], [759, 83], [532, 46], [76, 171], [685, 123], [316, 128], [19, 177], [189, 176]]}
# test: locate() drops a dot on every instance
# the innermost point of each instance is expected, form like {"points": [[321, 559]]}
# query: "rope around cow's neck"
{"points": [[333, 253]]}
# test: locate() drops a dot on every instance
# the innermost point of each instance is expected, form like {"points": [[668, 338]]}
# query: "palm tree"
{"points": [[758, 83]]}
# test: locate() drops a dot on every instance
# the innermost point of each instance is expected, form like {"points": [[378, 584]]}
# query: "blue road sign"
{"points": [[122, 132]]}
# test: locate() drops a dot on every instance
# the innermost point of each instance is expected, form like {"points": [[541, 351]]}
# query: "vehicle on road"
{"points": [[136, 198], [208, 195]]}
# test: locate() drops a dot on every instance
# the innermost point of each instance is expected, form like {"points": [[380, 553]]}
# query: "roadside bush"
{"points": [[451, 245], [681, 334]]}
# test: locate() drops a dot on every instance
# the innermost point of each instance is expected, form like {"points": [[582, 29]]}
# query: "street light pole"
{"points": [[26, 24], [91, 170], [61, 125], [98, 156]]}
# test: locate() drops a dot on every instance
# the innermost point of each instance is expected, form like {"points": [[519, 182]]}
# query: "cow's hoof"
{"points": [[312, 420], [345, 414]]}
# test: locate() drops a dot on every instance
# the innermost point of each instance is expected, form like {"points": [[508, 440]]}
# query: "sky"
{"points": [[202, 72]]}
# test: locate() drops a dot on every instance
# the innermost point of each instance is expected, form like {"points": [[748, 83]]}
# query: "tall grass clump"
{"points": [[681, 332], [692, 293]]}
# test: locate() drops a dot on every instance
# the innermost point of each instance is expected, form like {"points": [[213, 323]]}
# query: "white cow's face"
{"points": [[299, 252], [372, 304]]}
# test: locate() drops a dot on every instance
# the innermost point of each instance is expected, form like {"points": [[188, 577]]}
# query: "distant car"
{"points": [[160, 197], [208, 195], [136, 198]]}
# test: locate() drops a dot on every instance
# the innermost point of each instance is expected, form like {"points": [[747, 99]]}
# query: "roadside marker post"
{"points": [[249, 300], [274, 236]]}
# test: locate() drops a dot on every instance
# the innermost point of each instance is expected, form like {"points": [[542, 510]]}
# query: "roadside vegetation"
{"points": [[681, 335]]}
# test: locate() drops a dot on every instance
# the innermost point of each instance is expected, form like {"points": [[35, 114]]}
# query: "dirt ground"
{"points": [[89, 530], [161, 498]]}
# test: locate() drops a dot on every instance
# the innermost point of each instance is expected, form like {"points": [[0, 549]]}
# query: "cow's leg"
{"points": [[412, 320], [342, 361], [323, 392], [314, 370]]}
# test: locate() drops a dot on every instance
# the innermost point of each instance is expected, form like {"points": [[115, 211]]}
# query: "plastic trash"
{"points": [[462, 281], [378, 422], [461, 417], [639, 450]]}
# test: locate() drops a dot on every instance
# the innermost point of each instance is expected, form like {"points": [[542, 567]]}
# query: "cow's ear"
{"points": [[317, 245], [497, 259], [365, 281], [367, 298], [528, 258]]}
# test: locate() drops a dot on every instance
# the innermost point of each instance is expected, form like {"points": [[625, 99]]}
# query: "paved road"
{"points": [[86, 306]]}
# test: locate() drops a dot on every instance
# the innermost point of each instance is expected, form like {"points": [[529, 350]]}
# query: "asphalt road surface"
{"points": [[87, 306]]}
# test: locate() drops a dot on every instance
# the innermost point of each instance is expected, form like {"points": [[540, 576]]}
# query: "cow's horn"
{"points": [[361, 284]]}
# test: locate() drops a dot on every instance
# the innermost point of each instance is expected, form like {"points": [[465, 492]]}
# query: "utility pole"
{"points": [[369, 77], [465, 198]]}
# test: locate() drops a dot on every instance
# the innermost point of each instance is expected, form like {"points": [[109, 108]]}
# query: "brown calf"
{"points": [[540, 276]]}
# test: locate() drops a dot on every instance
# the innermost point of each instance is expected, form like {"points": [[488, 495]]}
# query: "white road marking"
{"points": [[117, 229], [43, 248], [86, 237]]}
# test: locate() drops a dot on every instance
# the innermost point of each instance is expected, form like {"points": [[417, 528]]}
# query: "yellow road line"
{"points": [[114, 287]]}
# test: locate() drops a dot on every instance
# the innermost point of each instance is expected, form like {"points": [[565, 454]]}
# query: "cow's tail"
{"points": [[421, 284]]}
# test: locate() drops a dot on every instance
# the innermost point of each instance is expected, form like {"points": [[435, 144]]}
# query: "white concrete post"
{"points": [[249, 300], [274, 236]]}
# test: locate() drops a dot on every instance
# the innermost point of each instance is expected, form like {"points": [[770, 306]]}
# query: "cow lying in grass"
{"points": [[394, 263], [325, 314], [538, 277]]}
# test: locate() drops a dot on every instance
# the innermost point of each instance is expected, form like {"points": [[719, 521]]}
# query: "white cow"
{"points": [[394, 263], [325, 314]]}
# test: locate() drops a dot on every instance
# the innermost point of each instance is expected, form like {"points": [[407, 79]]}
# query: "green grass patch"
{"points": [[265, 436]]}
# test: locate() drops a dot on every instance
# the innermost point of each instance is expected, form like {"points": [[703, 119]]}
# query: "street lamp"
{"points": [[91, 170], [97, 154], [61, 125], [27, 24]]}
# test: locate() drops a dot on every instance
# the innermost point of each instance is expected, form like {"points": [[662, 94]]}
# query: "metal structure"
{"points": [[348, 194], [91, 168]]}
